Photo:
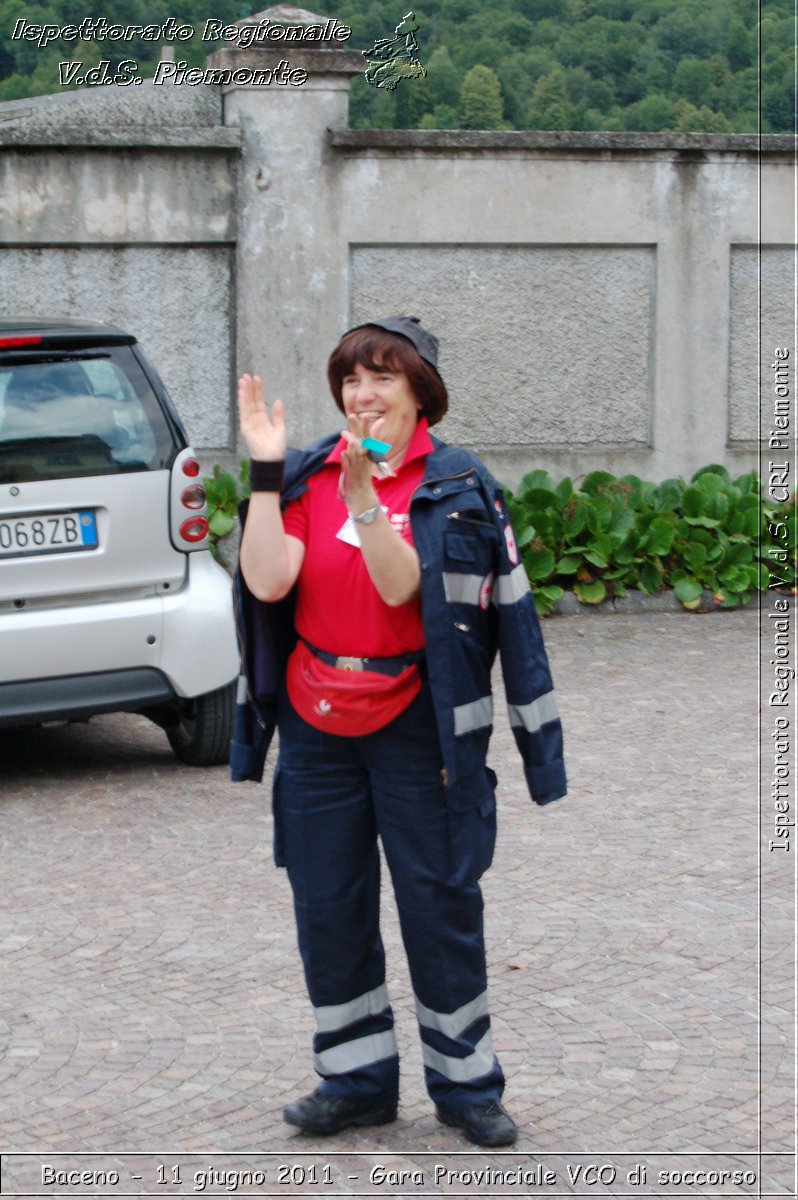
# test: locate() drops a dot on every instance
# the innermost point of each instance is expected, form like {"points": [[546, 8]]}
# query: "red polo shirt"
{"points": [[338, 607]]}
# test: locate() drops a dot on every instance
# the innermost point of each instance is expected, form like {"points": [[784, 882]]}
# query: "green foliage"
{"points": [[224, 493], [690, 119], [617, 64], [443, 116], [609, 535], [38, 65], [652, 114], [444, 78], [481, 105], [549, 107]]}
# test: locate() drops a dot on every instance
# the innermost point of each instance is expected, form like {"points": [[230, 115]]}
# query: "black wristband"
{"points": [[266, 476]]}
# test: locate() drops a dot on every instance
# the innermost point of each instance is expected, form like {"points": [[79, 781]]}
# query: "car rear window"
{"points": [[92, 413]]}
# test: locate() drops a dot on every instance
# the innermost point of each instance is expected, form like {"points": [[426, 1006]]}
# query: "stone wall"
{"points": [[601, 300], [121, 207]]}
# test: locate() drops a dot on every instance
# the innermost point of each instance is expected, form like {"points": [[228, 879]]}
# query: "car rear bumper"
{"points": [[78, 697], [185, 636]]}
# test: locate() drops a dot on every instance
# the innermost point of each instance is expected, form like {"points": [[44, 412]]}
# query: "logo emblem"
{"points": [[485, 590], [323, 708], [512, 549], [390, 60]]}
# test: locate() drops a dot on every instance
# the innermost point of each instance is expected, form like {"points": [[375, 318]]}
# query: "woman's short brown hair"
{"points": [[375, 349]]}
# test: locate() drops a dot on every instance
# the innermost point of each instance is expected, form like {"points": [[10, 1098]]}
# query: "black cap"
{"points": [[426, 344]]}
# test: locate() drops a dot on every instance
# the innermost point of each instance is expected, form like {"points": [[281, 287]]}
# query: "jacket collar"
{"points": [[442, 463]]}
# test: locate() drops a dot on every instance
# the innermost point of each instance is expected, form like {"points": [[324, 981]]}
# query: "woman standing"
{"points": [[372, 597]]}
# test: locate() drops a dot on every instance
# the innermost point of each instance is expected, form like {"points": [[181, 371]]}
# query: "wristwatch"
{"points": [[367, 517]]}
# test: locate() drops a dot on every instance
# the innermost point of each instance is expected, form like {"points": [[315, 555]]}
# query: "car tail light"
{"points": [[193, 497], [10, 343], [188, 517], [194, 529]]}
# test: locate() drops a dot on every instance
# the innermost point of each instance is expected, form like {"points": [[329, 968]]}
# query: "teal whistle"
{"points": [[372, 445], [378, 454]]}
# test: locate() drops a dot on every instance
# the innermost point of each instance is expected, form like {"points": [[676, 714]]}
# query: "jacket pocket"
{"points": [[469, 549], [459, 547]]}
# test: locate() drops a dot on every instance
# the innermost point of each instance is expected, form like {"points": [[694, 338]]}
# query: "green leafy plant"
{"points": [[224, 494], [609, 535]]}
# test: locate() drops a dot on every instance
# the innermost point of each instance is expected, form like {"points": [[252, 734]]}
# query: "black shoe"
{"points": [[322, 1114], [484, 1124]]}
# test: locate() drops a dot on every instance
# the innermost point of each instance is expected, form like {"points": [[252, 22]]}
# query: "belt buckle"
{"points": [[349, 664]]}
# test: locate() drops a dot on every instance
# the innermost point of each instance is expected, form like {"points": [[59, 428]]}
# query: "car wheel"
{"points": [[201, 736]]}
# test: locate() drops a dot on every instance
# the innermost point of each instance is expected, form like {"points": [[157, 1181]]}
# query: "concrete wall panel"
{"points": [[177, 301], [119, 196], [542, 345], [762, 317]]}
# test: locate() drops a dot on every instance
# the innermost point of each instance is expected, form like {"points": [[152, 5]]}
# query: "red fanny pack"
{"points": [[347, 703]]}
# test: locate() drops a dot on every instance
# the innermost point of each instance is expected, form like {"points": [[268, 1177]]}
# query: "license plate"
{"points": [[48, 533]]}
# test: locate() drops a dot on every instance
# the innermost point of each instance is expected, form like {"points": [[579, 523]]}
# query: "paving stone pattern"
{"points": [[153, 998]]}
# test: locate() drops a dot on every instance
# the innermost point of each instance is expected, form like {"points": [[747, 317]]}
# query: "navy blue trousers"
{"points": [[333, 798]]}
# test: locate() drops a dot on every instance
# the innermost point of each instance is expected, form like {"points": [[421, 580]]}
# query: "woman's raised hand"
{"points": [[265, 437], [358, 468]]}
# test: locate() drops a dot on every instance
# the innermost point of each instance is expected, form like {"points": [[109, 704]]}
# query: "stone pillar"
{"points": [[291, 272]]}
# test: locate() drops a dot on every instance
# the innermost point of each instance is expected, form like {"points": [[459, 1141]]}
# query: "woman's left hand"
{"points": [[391, 562], [358, 473]]}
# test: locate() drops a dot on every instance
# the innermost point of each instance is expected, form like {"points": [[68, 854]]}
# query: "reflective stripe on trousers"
{"points": [[349, 1055], [477, 1061]]}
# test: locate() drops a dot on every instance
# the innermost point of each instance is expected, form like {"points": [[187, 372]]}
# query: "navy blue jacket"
{"points": [[475, 600]]}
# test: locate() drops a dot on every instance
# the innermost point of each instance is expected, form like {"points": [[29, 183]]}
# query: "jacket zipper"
{"points": [[461, 516]]}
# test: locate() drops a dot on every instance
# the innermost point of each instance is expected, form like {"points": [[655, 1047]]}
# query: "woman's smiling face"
{"points": [[386, 397]]}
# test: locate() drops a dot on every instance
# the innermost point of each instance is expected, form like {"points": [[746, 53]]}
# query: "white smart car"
{"points": [[110, 600]]}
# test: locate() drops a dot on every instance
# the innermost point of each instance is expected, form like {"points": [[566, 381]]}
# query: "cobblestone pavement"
{"points": [[153, 1004]]}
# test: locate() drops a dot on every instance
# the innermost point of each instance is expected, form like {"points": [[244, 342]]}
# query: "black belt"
{"points": [[383, 666]]}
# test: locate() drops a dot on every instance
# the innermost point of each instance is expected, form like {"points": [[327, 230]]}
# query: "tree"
{"points": [[778, 99], [370, 107], [458, 11], [549, 107], [584, 90], [690, 119], [485, 51], [514, 30], [623, 47], [411, 98], [537, 10], [686, 29], [692, 82], [746, 94], [444, 116], [444, 78], [742, 51], [654, 69], [650, 115], [481, 104], [518, 75]]}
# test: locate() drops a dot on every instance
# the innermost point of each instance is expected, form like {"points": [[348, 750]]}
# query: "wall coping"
{"points": [[315, 61], [123, 137], [450, 141]]}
